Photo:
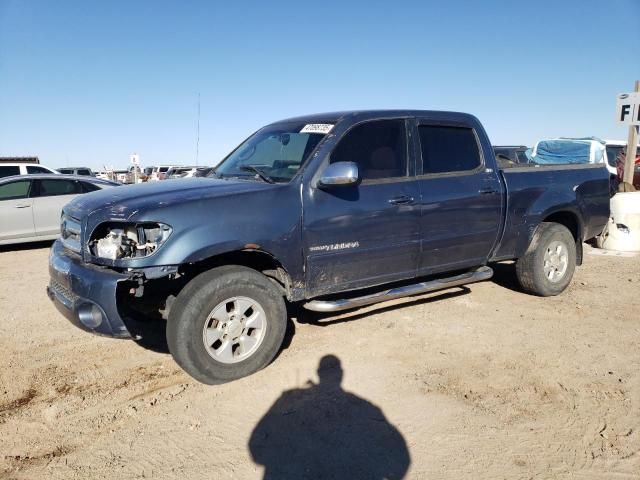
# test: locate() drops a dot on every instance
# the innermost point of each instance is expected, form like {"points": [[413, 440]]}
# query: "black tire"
{"points": [[196, 302], [530, 268]]}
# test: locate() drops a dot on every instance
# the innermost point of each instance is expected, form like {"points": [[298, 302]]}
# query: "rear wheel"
{"points": [[547, 267], [227, 323]]}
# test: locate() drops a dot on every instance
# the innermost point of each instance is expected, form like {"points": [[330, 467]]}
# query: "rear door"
{"points": [[50, 195], [16, 210], [367, 234], [460, 198]]}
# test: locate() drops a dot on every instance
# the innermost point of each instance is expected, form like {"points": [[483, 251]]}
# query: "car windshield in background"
{"points": [[276, 152]]}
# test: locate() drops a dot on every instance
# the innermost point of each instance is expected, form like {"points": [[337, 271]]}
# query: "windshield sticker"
{"points": [[323, 128]]}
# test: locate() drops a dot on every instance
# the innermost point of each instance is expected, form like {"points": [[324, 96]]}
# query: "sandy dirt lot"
{"points": [[481, 382]]}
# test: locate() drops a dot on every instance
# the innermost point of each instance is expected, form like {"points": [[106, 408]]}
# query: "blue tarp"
{"points": [[567, 151]]}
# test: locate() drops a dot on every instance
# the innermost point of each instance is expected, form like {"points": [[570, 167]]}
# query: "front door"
{"points": [[16, 210], [368, 234]]}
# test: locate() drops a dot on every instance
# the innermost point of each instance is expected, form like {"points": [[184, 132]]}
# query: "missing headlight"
{"points": [[120, 240]]}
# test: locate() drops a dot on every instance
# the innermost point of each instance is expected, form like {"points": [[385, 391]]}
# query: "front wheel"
{"points": [[227, 323], [547, 267]]}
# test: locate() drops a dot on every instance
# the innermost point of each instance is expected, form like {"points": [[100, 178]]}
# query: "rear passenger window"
{"points": [[14, 190], [378, 147], [51, 188], [448, 149], [7, 171], [84, 171]]}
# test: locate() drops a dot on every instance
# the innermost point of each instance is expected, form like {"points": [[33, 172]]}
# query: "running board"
{"points": [[478, 275]]}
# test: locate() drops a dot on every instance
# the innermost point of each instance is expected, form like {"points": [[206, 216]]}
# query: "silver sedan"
{"points": [[30, 205]]}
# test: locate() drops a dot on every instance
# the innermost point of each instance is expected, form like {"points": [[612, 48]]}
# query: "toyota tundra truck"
{"points": [[325, 212]]}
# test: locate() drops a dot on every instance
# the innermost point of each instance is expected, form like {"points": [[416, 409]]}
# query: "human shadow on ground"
{"points": [[325, 432]]}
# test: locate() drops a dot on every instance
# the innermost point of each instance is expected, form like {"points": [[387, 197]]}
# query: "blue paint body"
{"points": [[345, 238]]}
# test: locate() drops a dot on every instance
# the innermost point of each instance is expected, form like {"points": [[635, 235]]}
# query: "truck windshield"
{"points": [[277, 152]]}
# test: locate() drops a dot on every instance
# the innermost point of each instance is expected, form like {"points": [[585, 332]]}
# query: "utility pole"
{"points": [[630, 158], [198, 132]]}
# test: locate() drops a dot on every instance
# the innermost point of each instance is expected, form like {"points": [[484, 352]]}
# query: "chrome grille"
{"points": [[70, 232]]}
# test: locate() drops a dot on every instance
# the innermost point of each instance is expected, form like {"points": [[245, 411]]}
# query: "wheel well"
{"points": [[255, 259], [569, 220]]}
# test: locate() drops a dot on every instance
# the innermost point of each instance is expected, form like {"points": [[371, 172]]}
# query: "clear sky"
{"points": [[88, 83]]}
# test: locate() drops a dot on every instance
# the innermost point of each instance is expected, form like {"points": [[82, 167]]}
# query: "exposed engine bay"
{"points": [[115, 241]]}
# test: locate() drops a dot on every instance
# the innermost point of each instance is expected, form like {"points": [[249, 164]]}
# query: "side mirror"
{"points": [[339, 174]]}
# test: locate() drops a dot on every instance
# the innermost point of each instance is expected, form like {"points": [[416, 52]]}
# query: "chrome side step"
{"points": [[478, 275]]}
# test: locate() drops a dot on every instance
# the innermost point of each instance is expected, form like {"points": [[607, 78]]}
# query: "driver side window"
{"points": [[378, 147]]}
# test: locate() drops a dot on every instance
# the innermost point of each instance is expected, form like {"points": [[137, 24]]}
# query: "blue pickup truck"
{"points": [[330, 212]]}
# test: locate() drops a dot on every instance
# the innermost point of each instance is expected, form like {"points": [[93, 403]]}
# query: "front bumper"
{"points": [[85, 294]]}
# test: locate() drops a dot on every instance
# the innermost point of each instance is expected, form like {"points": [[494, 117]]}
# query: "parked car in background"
{"points": [[134, 174], [83, 171], [511, 154], [204, 171], [179, 172], [620, 161], [121, 176], [11, 169], [30, 205], [145, 176], [614, 148], [328, 212], [159, 172]]}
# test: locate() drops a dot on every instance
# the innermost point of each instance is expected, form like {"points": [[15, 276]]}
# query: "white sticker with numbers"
{"points": [[323, 128]]}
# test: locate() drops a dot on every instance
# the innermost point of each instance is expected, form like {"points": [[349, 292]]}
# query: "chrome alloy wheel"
{"points": [[234, 329], [556, 261]]}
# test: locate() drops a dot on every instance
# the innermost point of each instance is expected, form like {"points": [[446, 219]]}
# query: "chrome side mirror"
{"points": [[339, 174]]}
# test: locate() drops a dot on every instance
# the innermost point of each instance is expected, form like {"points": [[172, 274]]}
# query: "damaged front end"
{"points": [[115, 241]]}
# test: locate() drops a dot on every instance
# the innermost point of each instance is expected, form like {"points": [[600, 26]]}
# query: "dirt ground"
{"points": [[481, 382]]}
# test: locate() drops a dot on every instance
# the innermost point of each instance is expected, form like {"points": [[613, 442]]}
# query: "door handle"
{"points": [[487, 191], [23, 206], [401, 200]]}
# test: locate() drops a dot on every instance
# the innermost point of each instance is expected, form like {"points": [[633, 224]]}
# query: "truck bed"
{"points": [[536, 192]]}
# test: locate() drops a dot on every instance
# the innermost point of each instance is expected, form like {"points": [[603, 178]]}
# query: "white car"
{"points": [[9, 169], [30, 205]]}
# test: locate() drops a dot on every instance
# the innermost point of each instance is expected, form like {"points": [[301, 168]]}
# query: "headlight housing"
{"points": [[118, 240]]}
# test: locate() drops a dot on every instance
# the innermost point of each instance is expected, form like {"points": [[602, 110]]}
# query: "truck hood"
{"points": [[124, 202]]}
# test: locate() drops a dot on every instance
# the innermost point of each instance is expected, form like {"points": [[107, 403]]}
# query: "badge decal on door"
{"points": [[335, 246]]}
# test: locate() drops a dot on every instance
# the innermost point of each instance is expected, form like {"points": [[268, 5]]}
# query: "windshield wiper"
{"points": [[258, 172]]}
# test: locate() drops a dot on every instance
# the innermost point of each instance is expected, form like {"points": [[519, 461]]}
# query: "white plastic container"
{"points": [[622, 233]]}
